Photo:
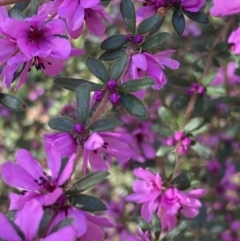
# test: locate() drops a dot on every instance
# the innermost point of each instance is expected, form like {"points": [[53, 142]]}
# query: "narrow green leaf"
{"points": [[47, 217], [135, 85], [72, 84], [202, 150], [178, 21], [12, 102], [105, 124], [66, 222], [144, 225], [182, 226], [87, 203], [155, 41], [156, 225], [197, 16], [14, 13], [128, 13], [175, 80], [119, 66], [169, 166], [97, 68], [61, 124], [166, 115], [113, 42], [163, 150], [111, 55], [182, 181], [200, 130], [89, 181], [149, 23], [216, 90], [193, 124], [83, 97], [133, 105], [156, 27]]}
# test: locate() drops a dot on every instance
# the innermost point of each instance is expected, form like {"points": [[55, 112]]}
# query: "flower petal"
{"points": [[66, 234], [94, 142]]}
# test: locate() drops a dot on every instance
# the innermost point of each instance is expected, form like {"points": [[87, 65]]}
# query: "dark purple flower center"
{"points": [[152, 186], [80, 134], [43, 181], [35, 35]]}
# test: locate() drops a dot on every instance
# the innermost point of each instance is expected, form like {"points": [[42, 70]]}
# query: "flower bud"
{"points": [[112, 84], [79, 128], [114, 98], [98, 95], [138, 39]]}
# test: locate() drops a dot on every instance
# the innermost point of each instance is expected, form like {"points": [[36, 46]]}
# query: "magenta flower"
{"points": [[192, 29], [28, 175], [147, 191], [222, 8], [93, 230], [234, 39], [95, 146], [196, 88], [28, 220], [146, 64], [143, 236]]}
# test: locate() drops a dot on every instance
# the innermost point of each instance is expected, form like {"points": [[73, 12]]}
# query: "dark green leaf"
{"points": [[166, 115], [33, 8], [163, 150], [200, 130], [47, 217], [105, 124], [178, 21], [21, 6], [182, 181], [169, 166], [133, 105], [87, 203], [200, 48], [197, 16], [135, 85], [89, 181], [61, 124], [72, 84], [12, 102], [156, 225], [105, 2], [14, 13], [113, 42], [147, 24], [144, 225], [223, 55], [83, 97], [182, 226], [156, 27], [18, 71], [97, 68], [155, 41], [128, 13], [119, 66], [215, 62], [162, 129], [66, 222], [237, 71], [193, 124], [175, 80], [111, 55], [202, 150], [181, 102]]}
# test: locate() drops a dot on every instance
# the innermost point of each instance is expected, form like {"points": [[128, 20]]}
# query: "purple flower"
{"points": [[28, 175], [196, 88], [146, 64], [234, 39], [192, 29], [222, 8], [143, 236], [28, 220], [147, 191], [95, 146]]}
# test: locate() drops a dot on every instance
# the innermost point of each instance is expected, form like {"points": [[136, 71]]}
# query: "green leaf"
{"points": [[89, 181], [175, 80], [14, 13], [12, 102], [128, 13], [216, 90], [215, 62], [200, 130], [156, 27], [135, 85], [113, 42], [144, 225], [66, 222], [169, 166], [237, 71], [34, 5], [197, 16], [193, 124], [223, 55], [83, 97], [119, 66], [155, 41], [87, 203], [166, 115], [47, 217], [156, 225], [163, 150], [182, 181], [201, 150], [147, 24], [105, 124], [97, 68], [133, 105], [162, 129], [111, 55], [61, 124], [72, 84], [178, 21], [182, 226]]}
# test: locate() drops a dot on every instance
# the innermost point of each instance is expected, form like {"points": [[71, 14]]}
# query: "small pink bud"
{"points": [[114, 98], [186, 141], [98, 95], [178, 135], [129, 37], [171, 141], [112, 84], [79, 128], [182, 150], [138, 39]]}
